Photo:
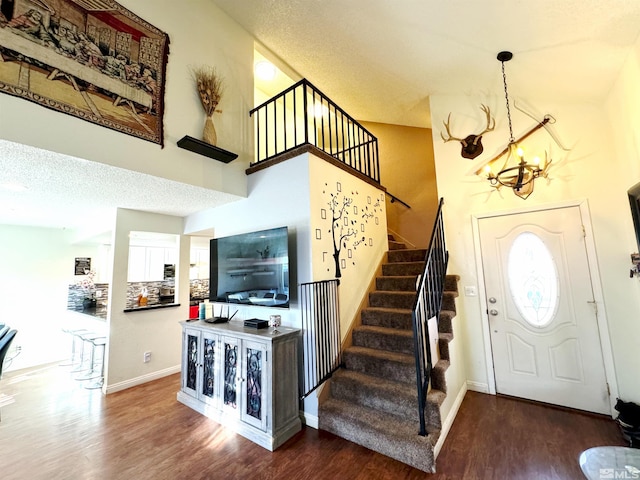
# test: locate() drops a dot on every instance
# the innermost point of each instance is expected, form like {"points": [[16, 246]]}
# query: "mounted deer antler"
{"points": [[472, 144]]}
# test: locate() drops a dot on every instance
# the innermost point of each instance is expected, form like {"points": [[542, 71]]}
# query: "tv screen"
{"points": [[251, 268]]}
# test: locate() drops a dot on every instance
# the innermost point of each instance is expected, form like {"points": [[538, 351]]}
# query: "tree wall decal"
{"points": [[340, 230]]}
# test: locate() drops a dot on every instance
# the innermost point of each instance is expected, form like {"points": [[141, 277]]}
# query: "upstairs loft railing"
{"points": [[427, 306], [303, 115]]}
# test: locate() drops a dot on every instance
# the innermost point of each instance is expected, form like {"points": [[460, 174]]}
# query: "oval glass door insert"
{"points": [[533, 279]]}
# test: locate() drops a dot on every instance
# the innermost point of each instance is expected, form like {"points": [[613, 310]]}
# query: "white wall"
{"points": [[156, 330], [623, 114], [37, 268], [590, 170], [199, 34]]}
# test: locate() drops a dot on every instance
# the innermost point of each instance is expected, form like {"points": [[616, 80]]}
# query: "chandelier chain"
{"points": [[506, 97]]}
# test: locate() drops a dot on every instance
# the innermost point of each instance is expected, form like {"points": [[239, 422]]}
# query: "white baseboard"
{"points": [[448, 422], [116, 387], [310, 420], [477, 387]]}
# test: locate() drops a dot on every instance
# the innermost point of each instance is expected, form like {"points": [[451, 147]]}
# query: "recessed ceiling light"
{"points": [[14, 186], [265, 70]]}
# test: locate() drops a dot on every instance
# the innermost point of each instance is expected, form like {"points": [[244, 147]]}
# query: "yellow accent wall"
{"points": [[407, 170]]}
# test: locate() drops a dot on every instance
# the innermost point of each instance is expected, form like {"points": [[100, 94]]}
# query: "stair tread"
{"points": [[381, 354], [442, 364], [361, 414], [388, 435], [410, 262], [398, 276], [389, 310], [395, 292], [385, 330], [445, 336], [398, 388]]}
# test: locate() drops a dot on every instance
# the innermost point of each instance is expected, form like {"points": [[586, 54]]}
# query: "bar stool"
{"points": [[72, 332], [97, 343], [86, 339]]}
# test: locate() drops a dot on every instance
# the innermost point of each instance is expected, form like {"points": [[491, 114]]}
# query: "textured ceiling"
{"points": [[67, 192], [381, 60], [378, 59]]}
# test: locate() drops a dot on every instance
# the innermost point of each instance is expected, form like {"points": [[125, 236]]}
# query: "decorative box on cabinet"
{"points": [[243, 378]]}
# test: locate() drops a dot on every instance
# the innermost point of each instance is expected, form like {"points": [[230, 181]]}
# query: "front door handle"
{"points": [[493, 312]]}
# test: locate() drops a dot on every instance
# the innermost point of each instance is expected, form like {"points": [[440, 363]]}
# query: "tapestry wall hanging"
{"points": [[92, 59]]}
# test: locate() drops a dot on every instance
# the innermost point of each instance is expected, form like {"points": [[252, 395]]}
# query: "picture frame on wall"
{"points": [[82, 265], [92, 59]]}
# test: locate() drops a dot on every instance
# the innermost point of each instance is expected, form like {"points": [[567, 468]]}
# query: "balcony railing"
{"points": [[303, 115]]}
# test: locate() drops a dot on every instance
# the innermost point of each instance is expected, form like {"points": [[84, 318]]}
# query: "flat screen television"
{"points": [[251, 268], [634, 203]]}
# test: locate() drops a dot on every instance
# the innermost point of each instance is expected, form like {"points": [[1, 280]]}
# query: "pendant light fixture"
{"points": [[514, 172]]}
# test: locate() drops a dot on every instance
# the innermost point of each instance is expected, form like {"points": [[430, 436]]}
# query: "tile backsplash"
{"points": [[199, 288]]}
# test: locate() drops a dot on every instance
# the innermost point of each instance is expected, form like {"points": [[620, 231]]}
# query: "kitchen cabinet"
{"points": [[146, 264], [243, 378], [199, 259]]}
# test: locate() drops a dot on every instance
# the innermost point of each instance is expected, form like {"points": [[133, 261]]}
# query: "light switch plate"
{"points": [[470, 291]]}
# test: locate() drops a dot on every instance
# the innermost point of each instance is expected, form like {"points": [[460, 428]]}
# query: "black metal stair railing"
{"points": [[321, 350], [427, 305], [303, 115]]}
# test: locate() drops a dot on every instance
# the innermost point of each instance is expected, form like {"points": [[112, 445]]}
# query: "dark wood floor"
{"points": [[57, 430]]}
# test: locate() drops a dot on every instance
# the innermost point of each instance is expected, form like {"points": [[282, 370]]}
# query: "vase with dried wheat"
{"points": [[210, 87]]}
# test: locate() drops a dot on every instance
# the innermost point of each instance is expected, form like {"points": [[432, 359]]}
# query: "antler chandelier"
{"points": [[519, 177]]}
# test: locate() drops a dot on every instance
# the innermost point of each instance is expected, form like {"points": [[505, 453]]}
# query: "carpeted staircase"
{"points": [[373, 398]]}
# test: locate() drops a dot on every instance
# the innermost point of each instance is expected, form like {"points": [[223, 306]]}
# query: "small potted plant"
{"points": [[88, 288]]}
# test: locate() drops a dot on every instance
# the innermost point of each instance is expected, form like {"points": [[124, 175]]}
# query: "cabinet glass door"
{"points": [[209, 380], [190, 361], [254, 369], [231, 365]]}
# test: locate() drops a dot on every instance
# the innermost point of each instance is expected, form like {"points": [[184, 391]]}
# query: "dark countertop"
{"points": [[151, 307], [99, 312]]}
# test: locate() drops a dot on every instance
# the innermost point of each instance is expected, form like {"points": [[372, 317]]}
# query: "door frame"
{"points": [[601, 317]]}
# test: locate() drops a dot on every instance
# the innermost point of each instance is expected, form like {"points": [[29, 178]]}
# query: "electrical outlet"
{"points": [[147, 357]]}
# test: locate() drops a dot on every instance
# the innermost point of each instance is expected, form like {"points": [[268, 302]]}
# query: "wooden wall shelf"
{"points": [[206, 149]]}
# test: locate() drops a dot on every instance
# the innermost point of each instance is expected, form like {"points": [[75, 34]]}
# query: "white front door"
{"points": [[542, 314]]}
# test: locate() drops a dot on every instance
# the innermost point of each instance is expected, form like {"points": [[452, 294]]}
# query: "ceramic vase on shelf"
{"points": [[209, 133]]}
